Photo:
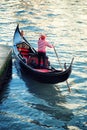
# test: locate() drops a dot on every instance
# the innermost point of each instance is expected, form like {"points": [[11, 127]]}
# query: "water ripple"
{"points": [[26, 104]]}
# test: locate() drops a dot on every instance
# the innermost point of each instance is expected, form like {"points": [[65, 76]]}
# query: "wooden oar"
{"points": [[61, 68]]}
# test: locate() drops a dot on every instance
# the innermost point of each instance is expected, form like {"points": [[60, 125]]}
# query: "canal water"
{"points": [[26, 104]]}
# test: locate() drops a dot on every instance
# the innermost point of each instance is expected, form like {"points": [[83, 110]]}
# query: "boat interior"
{"points": [[31, 58]]}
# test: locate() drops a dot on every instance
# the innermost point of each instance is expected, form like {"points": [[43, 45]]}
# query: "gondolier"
{"points": [[42, 44]]}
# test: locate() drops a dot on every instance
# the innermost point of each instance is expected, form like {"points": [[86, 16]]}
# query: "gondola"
{"points": [[27, 58]]}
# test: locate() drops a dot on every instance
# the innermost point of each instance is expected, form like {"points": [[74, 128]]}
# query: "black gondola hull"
{"points": [[51, 77]]}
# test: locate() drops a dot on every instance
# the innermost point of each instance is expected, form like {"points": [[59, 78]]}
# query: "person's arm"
{"points": [[49, 45]]}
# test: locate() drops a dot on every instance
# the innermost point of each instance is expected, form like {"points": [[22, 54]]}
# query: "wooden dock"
{"points": [[5, 64]]}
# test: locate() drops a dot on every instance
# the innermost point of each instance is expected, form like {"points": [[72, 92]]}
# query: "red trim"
{"points": [[23, 49], [43, 70]]}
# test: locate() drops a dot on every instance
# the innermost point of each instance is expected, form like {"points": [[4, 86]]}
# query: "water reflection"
{"points": [[65, 23], [4, 89], [4, 93], [48, 93], [53, 98]]}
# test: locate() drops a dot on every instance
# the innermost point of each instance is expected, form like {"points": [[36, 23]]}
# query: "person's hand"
{"points": [[52, 45]]}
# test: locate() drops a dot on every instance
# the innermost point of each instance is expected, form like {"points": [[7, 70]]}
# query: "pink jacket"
{"points": [[42, 45]]}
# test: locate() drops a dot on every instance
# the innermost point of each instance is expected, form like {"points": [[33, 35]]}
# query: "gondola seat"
{"points": [[24, 52]]}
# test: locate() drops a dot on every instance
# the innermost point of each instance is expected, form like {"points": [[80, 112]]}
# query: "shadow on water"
{"points": [[4, 93], [49, 93], [54, 100], [4, 90]]}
